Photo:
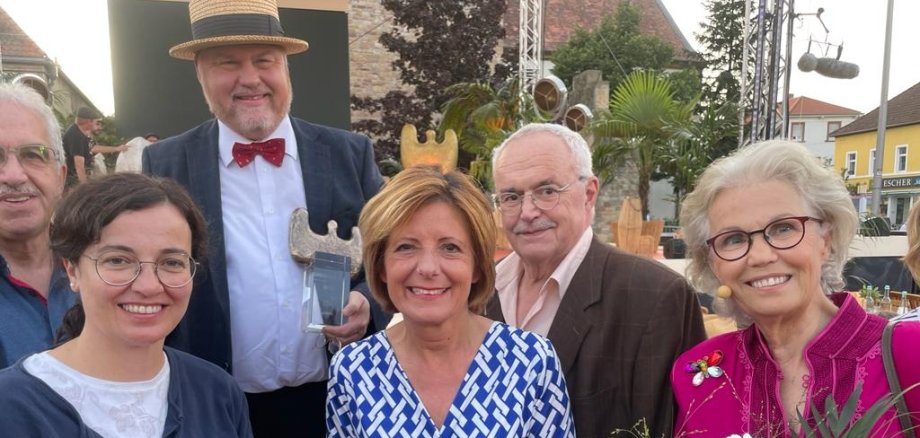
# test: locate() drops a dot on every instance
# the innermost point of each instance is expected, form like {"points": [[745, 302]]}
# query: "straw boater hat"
{"points": [[232, 22]]}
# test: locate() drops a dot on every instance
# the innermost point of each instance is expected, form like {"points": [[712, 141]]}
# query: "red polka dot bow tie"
{"points": [[271, 150]]}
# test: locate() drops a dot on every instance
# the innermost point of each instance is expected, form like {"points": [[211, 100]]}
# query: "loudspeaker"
{"points": [[577, 117], [550, 94]]}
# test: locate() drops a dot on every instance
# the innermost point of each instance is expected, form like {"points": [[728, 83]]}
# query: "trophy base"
{"points": [[314, 328]]}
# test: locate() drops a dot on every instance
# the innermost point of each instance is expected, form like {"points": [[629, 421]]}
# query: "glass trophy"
{"points": [[326, 285], [329, 263]]}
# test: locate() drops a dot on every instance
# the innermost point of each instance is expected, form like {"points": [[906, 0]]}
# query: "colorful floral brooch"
{"points": [[706, 367]]}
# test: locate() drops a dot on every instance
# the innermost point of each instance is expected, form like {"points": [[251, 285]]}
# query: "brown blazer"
{"points": [[623, 321]]}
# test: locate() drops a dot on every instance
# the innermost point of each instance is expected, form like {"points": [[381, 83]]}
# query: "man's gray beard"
{"points": [[263, 124]]}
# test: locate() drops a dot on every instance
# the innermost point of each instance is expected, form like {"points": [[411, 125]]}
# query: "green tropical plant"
{"points": [[710, 134], [874, 226], [644, 123], [834, 423], [483, 116]]}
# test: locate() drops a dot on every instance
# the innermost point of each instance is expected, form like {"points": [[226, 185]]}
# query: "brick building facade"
{"points": [[372, 73]]}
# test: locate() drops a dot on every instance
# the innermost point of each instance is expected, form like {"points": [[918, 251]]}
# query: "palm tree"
{"points": [[483, 116], [644, 124]]}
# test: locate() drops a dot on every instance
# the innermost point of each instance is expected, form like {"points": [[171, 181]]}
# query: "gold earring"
{"points": [[724, 292]]}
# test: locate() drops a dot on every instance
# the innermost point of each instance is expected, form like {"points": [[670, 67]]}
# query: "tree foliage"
{"points": [[722, 40], [484, 115], [438, 44], [709, 135], [616, 48], [643, 125]]}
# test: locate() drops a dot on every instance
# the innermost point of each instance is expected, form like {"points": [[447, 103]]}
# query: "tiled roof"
{"points": [[562, 17], [15, 42], [806, 106], [903, 109]]}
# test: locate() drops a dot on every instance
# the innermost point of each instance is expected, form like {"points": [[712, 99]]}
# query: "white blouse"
{"points": [[112, 409]]}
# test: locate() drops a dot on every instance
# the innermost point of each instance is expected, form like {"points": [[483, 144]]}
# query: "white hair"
{"points": [[578, 147], [28, 99], [823, 192]]}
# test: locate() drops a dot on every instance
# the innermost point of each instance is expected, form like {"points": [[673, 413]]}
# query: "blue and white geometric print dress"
{"points": [[513, 388]]}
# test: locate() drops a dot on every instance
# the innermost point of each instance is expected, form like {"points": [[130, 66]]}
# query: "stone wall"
{"points": [[611, 198], [372, 74]]}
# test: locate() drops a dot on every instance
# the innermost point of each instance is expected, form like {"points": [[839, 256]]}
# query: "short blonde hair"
{"points": [[912, 258], [406, 194]]}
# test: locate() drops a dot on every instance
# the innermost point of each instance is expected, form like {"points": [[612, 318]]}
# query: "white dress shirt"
{"points": [[269, 349]]}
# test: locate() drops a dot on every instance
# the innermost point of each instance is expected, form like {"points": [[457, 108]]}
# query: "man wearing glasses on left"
{"points": [[34, 292]]}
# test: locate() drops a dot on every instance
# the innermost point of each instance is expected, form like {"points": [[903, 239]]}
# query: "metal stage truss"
{"points": [[530, 60], [765, 70]]}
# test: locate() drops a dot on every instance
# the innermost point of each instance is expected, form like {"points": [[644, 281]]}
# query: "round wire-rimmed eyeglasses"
{"points": [[120, 269], [545, 197]]}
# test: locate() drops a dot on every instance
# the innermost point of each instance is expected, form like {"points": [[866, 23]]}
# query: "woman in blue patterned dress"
{"points": [[444, 371]]}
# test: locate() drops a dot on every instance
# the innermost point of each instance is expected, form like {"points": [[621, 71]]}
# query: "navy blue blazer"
{"points": [[340, 175]]}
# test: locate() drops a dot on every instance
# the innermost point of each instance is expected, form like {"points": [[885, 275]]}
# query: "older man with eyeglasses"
{"points": [[34, 292], [617, 320]]}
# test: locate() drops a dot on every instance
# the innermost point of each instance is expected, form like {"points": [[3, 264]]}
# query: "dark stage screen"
{"points": [[154, 92]]}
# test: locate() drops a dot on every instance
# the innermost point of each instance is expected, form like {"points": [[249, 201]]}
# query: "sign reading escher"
{"points": [[901, 182]]}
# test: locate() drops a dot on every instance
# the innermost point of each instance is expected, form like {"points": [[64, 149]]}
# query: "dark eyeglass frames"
{"points": [[782, 233]]}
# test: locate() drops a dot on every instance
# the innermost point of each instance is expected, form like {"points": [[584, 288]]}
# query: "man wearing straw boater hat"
{"points": [[249, 169]]}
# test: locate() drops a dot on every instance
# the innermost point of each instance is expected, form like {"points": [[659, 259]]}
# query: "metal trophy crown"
{"points": [[304, 243], [413, 153]]}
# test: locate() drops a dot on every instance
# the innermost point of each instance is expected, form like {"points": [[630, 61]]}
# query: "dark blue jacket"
{"points": [[203, 402], [339, 175], [28, 323]]}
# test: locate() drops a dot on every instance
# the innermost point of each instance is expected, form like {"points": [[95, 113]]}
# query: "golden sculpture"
{"points": [[303, 243], [413, 153]]}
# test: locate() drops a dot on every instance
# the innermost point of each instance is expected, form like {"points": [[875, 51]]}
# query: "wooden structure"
{"points": [[631, 234]]}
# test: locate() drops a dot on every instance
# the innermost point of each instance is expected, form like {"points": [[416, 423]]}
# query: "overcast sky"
{"points": [[75, 32], [857, 24]]}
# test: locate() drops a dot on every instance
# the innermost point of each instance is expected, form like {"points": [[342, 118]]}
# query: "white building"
{"points": [[811, 121]]}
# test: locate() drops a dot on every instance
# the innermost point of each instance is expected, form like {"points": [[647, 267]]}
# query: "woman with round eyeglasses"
{"points": [[128, 243], [768, 229]]}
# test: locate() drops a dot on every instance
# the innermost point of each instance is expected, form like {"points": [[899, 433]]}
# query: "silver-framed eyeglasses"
{"points": [[118, 268], [29, 155], [545, 197], [784, 233]]}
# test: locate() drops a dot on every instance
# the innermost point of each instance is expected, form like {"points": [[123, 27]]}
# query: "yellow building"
{"points": [[854, 156]]}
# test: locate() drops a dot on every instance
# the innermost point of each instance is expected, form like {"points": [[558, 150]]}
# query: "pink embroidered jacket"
{"points": [[745, 398]]}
